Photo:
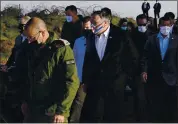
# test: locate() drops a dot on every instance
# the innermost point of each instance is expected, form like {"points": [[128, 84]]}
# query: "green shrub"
{"points": [[10, 21], [115, 20]]}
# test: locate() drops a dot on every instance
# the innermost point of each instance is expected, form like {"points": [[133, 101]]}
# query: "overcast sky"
{"points": [[123, 8]]}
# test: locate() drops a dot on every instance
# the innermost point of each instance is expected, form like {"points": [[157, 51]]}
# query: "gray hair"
{"points": [[102, 16]]}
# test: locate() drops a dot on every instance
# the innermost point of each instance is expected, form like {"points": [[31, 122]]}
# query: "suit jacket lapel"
{"points": [[158, 46]]}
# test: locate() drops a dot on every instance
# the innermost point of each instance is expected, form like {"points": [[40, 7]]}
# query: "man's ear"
{"points": [[105, 23], [42, 32]]}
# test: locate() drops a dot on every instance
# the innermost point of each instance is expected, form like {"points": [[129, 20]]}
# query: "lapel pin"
{"points": [[110, 37]]}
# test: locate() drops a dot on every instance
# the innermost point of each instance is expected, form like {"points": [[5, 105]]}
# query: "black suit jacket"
{"points": [[118, 53], [105, 80], [157, 7], [153, 64], [147, 7]]}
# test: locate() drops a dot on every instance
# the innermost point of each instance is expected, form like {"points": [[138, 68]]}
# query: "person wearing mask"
{"points": [[122, 30], [79, 54], [72, 26], [172, 18], [159, 73], [52, 75], [140, 36], [145, 8], [104, 72], [123, 24], [141, 32]]}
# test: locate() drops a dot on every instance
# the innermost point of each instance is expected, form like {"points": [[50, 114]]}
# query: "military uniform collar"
{"points": [[51, 38]]}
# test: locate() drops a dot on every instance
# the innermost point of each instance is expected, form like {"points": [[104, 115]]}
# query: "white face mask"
{"points": [[142, 29], [165, 30], [69, 18]]}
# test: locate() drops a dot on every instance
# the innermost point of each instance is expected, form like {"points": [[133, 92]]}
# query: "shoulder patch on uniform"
{"points": [[72, 61], [60, 43], [65, 41]]}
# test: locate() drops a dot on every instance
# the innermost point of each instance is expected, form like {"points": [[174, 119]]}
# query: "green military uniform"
{"points": [[54, 81]]}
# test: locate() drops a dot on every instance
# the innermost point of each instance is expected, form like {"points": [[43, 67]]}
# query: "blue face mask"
{"points": [[124, 28], [69, 18]]}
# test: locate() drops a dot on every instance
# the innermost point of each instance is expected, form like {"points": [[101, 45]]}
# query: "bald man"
{"points": [[53, 76]]}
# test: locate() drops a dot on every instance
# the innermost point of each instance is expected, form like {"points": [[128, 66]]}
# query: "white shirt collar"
{"points": [[106, 33], [23, 37]]}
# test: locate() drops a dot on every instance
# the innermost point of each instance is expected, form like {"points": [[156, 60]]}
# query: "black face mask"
{"points": [[86, 32], [21, 27]]}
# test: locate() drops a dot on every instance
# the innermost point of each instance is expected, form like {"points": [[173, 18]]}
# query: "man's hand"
{"points": [[59, 119], [144, 77]]}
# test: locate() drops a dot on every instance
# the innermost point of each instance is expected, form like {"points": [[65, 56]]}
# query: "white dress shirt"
{"points": [[145, 5], [79, 53], [101, 42]]}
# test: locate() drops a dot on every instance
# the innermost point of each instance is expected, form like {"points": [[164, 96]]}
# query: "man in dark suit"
{"points": [[105, 72], [11, 106], [72, 26], [145, 8], [157, 8], [18, 41], [159, 72], [139, 36]]}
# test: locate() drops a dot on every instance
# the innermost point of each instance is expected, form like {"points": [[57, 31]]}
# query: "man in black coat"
{"points": [[105, 72], [157, 8], [72, 26], [18, 41], [139, 36], [159, 72], [145, 8]]}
